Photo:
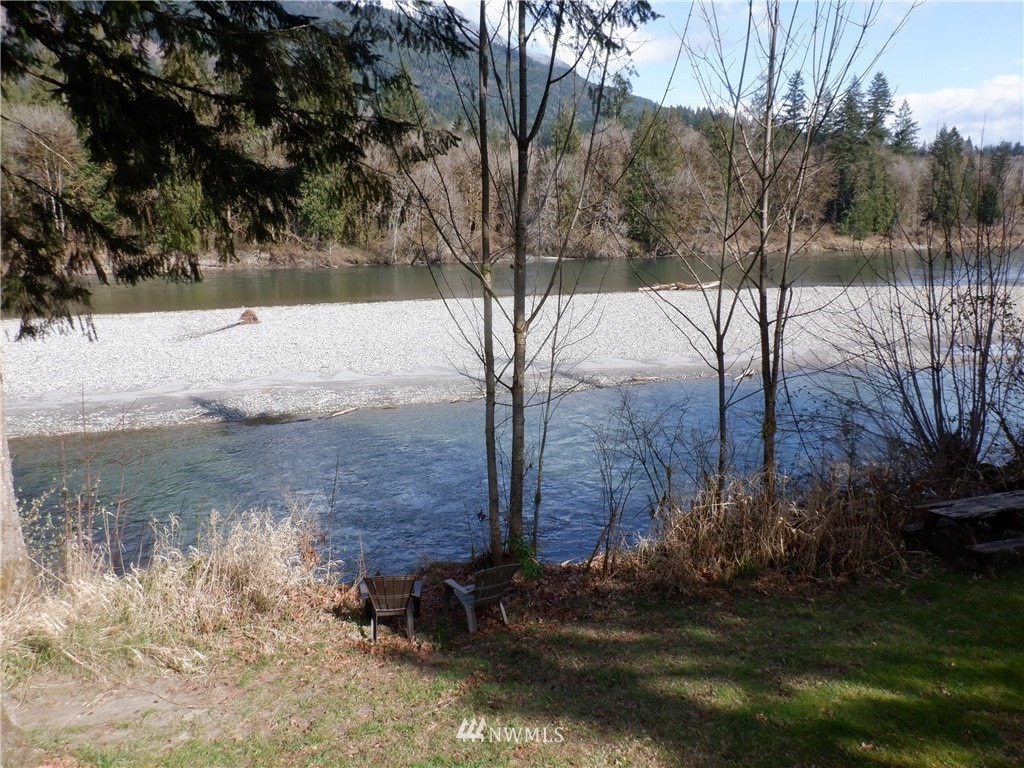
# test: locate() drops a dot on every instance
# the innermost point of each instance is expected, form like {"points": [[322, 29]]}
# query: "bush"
{"points": [[832, 529], [520, 551]]}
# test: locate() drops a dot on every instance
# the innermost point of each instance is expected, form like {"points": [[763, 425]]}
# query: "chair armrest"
{"points": [[456, 587]]}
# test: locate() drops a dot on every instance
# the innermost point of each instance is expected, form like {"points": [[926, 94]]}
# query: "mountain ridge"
{"points": [[449, 87]]}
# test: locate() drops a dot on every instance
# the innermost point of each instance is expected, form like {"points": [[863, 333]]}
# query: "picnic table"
{"points": [[982, 522]]}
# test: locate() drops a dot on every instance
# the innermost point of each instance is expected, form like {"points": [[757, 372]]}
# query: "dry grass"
{"points": [[250, 572], [831, 530], [895, 671], [629, 675], [247, 571]]}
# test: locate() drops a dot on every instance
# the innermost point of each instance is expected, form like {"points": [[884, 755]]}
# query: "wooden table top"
{"points": [[977, 506]]}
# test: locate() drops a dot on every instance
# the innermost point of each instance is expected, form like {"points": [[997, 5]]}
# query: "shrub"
{"points": [[831, 529], [520, 551]]}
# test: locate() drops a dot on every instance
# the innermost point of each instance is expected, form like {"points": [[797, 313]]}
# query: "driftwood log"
{"points": [[248, 318], [681, 286]]}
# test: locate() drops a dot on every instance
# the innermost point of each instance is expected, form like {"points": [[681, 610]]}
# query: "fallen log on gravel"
{"points": [[681, 286]]}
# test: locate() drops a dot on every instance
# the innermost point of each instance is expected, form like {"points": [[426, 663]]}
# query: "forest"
{"points": [[656, 185]]}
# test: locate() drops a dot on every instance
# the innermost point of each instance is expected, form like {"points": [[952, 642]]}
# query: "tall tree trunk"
{"points": [[722, 464], [490, 377], [518, 460], [766, 319]]}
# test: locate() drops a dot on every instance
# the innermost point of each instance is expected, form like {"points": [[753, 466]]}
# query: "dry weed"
{"points": [[247, 571], [833, 529]]}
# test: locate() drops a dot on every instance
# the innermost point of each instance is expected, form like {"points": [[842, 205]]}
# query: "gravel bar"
{"points": [[170, 368]]}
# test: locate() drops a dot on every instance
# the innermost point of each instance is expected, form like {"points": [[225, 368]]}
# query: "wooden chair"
{"points": [[488, 587], [386, 596]]}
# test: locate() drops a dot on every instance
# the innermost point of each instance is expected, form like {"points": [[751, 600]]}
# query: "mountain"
{"points": [[449, 86]]}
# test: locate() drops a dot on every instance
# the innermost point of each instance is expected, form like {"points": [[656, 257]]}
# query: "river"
{"points": [[390, 488], [225, 289]]}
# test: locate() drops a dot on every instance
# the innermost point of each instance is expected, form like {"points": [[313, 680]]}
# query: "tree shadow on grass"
{"points": [[897, 675]]}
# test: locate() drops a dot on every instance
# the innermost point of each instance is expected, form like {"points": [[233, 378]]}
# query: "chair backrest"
{"points": [[490, 584], [390, 594]]}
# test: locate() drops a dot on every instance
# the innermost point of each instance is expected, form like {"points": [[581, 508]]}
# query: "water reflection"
{"points": [[280, 287]]}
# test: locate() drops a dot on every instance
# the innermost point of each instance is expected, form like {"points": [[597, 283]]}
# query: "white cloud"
{"points": [[989, 113], [652, 50]]}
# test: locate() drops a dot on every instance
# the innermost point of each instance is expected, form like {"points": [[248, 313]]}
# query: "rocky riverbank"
{"points": [[159, 369]]}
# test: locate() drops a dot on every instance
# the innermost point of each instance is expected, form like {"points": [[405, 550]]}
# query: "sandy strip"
{"points": [[158, 369]]}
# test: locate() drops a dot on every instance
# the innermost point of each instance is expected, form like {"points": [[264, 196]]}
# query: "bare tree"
{"points": [[938, 369], [636, 449], [580, 39], [761, 203]]}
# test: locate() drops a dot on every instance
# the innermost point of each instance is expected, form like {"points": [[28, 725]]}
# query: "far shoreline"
{"points": [[333, 256]]}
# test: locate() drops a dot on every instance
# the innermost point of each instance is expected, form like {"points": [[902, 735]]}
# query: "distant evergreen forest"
{"points": [[653, 185]]}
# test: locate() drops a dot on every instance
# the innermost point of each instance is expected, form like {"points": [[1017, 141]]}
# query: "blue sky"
{"points": [[956, 63]]}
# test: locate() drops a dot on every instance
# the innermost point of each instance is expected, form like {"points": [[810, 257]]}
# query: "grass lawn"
{"points": [[921, 670]]}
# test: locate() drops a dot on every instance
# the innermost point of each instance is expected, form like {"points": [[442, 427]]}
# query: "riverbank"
{"points": [[291, 255], [169, 368]]}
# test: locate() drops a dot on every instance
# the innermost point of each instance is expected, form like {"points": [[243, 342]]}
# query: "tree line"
{"points": [[873, 175]]}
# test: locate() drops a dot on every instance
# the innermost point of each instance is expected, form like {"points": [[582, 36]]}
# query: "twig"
{"points": [[217, 330]]}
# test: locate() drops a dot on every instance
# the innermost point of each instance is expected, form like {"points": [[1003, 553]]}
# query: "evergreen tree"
{"points": [[950, 184], [163, 94], [875, 205], [565, 133], [829, 118], [794, 102], [849, 147], [649, 212], [866, 201], [617, 95], [851, 117], [402, 101], [989, 205], [878, 108], [905, 131]]}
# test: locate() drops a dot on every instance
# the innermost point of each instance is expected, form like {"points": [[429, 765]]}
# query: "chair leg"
{"points": [[470, 616], [373, 627], [504, 616], [409, 623]]}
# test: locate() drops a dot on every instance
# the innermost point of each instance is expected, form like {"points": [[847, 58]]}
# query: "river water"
{"points": [[390, 488], [225, 289], [395, 487]]}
